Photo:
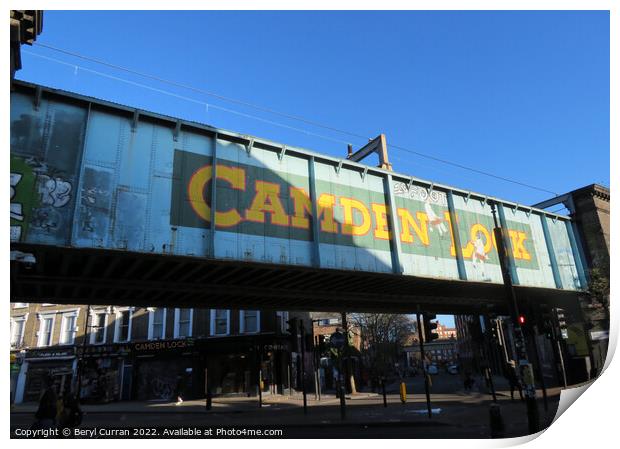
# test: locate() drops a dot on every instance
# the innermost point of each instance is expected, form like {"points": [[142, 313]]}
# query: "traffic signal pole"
{"points": [[303, 366], [525, 367], [487, 350], [426, 386], [539, 368]]}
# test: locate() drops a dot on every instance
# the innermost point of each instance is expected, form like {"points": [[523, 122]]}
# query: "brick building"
{"points": [[324, 324], [126, 353], [589, 208], [445, 332], [440, 351]]}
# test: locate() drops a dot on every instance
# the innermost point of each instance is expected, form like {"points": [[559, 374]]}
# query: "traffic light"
{"points": [[475, 331], [293, 326], [293, 330], [521, 319], [561, 320], [546, 321], [493, 331], [429, 328]]}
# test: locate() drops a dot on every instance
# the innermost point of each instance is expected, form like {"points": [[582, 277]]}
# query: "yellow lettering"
{"points": [[236, 179], [518, 248], [267, 199], [326, 209], [196, 188], [302, 206], [446, 215], [407, 222], [381, 230], [349, 227]]}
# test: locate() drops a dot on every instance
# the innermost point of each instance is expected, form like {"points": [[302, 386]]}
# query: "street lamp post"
{"points": [[525, 372]]}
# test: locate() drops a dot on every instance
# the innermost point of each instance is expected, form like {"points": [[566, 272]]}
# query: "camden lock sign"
{"points": [[257, 201], [163, 345]]}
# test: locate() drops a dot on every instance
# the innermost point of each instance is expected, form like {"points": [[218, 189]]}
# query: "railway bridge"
{"points": [[114, 205]]}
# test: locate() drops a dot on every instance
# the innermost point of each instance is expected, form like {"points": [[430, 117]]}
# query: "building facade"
{"points": [[439, 352], [134, 353], [324, 324]]}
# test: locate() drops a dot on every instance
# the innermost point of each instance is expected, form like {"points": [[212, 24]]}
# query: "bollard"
{"points": [[209, 399], [384, 395], [403, 392], [532, 415], [496, 421], [343, 413]]}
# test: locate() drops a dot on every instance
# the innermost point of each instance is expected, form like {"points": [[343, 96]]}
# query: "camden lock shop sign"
{"points": [[163, 345]]}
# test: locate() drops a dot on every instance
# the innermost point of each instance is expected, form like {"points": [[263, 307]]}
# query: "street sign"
{"points": [[337, 339]]}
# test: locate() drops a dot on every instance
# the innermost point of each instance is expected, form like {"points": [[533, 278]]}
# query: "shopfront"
{"points": [[103, 369], [163, 370], [233, 365], [40, 364], [16, 366]]}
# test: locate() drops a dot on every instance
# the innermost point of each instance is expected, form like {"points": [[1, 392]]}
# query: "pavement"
{"points": [[455, 414]]}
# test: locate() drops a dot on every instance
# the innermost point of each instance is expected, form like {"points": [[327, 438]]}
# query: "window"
{"points": [[157, 323], [68, 328], [220, 322], [122, 325], [183, 323], [18, 325], [20, 305], [249, 321], [46, 330], [98, 330]]}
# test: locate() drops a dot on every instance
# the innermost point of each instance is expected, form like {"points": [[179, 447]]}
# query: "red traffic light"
{"points": [[521, 319]]}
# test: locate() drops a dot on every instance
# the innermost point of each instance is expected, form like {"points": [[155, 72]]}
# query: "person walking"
{"points": [[513, 380], [71, 415], [48, 408], [179, 390]]}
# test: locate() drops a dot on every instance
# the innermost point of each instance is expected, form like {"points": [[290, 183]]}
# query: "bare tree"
{"points": [[382, 339]]}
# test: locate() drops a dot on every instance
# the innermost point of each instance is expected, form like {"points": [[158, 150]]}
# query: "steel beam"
{"points": [[550, 250], [396, 251], [553, 201], [316, 232], [581, 272], [508, 245], [456, 238], [213, 195]]}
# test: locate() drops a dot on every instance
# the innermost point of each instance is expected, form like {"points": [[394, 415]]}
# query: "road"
{"points": [[457, 414]]}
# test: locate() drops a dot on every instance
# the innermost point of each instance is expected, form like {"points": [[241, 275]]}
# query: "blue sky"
{"points": [[523, 95]]}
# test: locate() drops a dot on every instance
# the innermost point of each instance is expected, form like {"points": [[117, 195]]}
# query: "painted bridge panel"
{"points": [[85, 175]]}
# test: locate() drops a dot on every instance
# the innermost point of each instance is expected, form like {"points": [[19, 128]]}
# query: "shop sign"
{"points": [[50, 353], [104, 350], [163, 345], [271, 347]]}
